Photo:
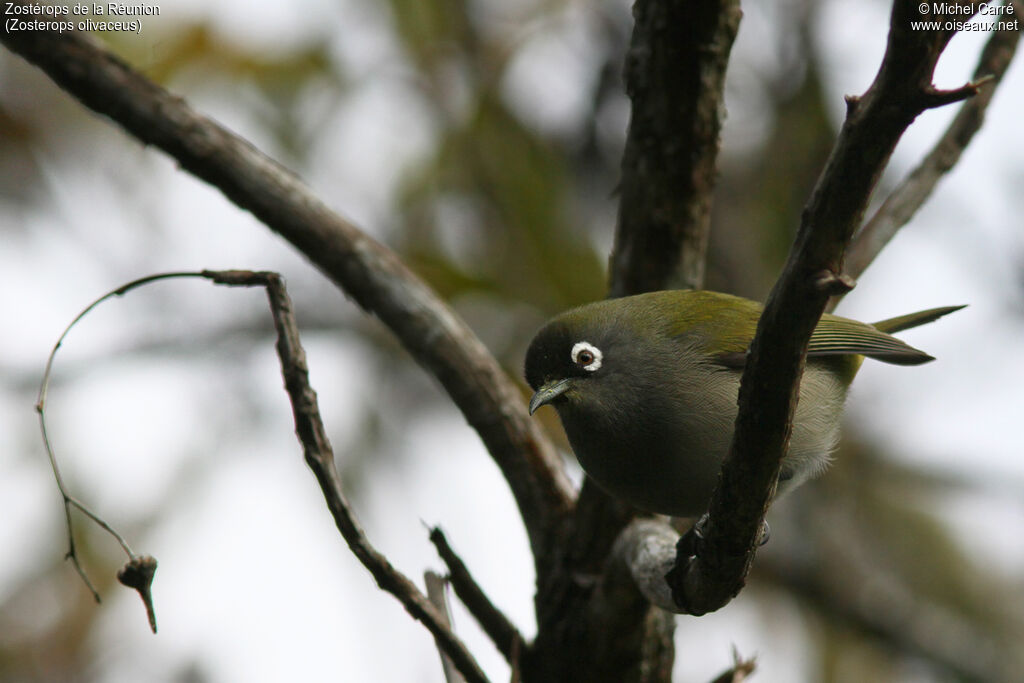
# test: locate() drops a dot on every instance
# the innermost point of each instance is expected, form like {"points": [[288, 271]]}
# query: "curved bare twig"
{"points": [[138, 572], [369, 272]]}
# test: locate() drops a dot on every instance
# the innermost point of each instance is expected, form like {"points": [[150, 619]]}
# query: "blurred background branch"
{"points": [[483, 141], [364, 268]]}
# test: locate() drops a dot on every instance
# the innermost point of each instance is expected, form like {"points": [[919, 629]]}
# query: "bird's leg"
{"points": [[688, 549], [690, 542]]}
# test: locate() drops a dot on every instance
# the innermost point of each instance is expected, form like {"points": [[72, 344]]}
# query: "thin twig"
{"points": [[368, 271], [320, 457], [69, 500], [310, 430], [437, 594], [901, 205], [502, 632], [740, 670]]}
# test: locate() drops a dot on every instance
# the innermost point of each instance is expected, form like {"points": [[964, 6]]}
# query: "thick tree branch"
{"points": [[591, 618], [914, 190], [646, 551], [675, 76], [711, 568], [369, 272]]}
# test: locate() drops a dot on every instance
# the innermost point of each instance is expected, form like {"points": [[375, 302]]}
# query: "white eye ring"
{"points": [[587, 356]]}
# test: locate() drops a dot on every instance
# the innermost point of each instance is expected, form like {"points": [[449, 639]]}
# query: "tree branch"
{"points": [[502, 632], [711, 567], [646, 551], [320, 457], [914, 190], [139, 571], [436, 593], [741, 669], [369, 272], [675, 76]]}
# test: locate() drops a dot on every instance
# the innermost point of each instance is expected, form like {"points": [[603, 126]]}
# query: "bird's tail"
{"points": [[905, 322]]}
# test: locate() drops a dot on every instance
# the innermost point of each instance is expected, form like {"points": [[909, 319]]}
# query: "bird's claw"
{"points": [[690, 542]]}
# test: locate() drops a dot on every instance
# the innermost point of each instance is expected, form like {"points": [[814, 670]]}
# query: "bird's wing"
{"points": [[835, 336]]}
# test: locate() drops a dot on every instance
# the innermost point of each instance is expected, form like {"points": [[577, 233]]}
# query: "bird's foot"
{"points": [[690, 542]]}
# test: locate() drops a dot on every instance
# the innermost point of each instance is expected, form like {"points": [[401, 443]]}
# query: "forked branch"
{"points": [[901, 205], [309, 428], [711, 567], [365, 269]]}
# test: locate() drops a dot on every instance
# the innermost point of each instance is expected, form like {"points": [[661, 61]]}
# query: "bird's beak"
{"points": [[548, 393]]}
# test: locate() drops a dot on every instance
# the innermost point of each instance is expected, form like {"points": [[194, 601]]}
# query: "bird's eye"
{"points": [[587, 356]]}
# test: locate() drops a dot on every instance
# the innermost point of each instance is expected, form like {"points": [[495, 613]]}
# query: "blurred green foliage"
{"points": [[509, 223]]}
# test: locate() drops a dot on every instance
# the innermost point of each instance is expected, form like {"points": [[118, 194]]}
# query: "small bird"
{"points": [[646, 388]]}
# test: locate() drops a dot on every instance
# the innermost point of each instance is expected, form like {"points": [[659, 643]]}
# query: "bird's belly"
{"points": [[668, 474], [665, 458]]}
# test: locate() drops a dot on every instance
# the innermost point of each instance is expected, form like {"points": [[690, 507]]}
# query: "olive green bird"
{"points": [[646, 388]]}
